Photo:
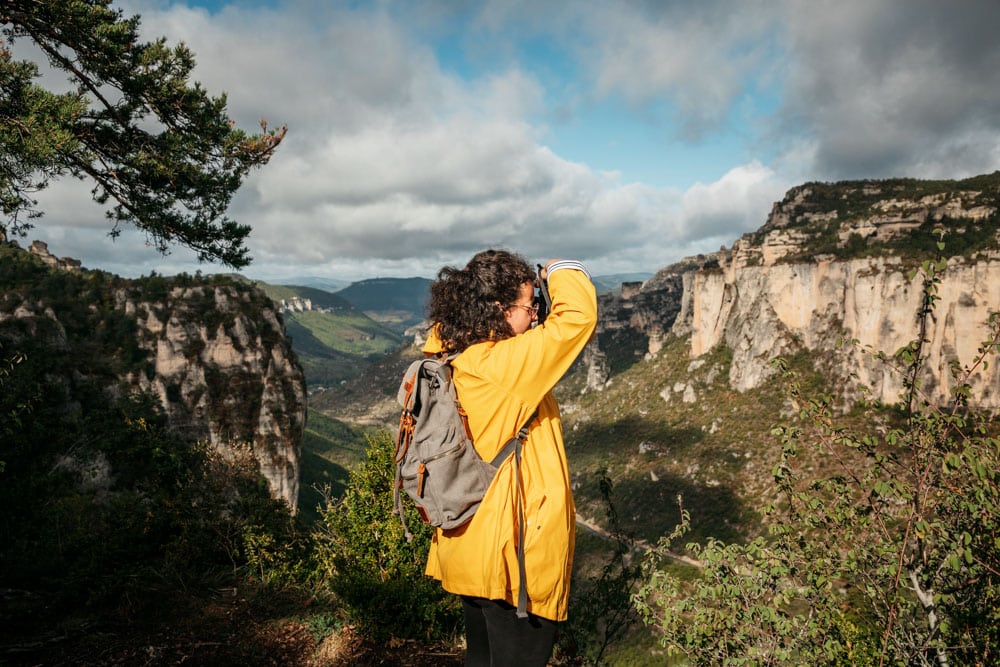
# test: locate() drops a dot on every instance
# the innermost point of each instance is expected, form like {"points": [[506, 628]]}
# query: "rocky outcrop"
{"points": [[40, 249], [296, 304], [224, 372], [798, 283], [836, 263], [213, 350]]}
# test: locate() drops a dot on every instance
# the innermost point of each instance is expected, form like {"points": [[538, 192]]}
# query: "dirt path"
{"points": [[640, 546]]}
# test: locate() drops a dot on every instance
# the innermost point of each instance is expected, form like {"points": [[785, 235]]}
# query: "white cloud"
{"points": [[396, 163], [697, 57], [738, 202], [407, 161]]}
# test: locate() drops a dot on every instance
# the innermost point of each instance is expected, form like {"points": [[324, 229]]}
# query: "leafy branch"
{"points": [[160, 148]]}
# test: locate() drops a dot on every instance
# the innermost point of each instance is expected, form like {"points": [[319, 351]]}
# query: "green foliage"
{"points": [[158, 148], [848, 201], [330, 448], [891, 558], [36, 126], [322, 625], [751, 604], [368, 563], [10, 417], [854, 199], [78, 325], [602, 609], [108, 494], [964, 238]]}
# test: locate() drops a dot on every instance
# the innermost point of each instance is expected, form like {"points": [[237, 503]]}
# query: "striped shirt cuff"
{"points": [[566, 264]]}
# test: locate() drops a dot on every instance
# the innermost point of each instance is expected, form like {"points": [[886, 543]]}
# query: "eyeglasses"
{"points": [[532, 309]]}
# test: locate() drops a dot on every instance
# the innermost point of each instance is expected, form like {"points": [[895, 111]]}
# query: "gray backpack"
{"points": [[436, 463]]}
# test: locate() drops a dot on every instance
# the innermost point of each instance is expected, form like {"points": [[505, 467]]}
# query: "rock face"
{"points": [[631, 326], [224, 372], [764, 312], [40, 249], [213, 351], [836, 263]]}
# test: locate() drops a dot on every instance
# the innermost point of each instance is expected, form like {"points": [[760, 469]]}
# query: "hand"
{"points": [[544, 273]]}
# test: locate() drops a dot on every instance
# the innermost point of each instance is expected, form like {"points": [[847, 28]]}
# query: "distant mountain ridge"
{"points": [[611, 284], [316, 282], [399, 303]]}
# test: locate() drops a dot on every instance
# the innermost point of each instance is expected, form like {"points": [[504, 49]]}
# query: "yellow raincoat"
{"points": [[499, 385]]}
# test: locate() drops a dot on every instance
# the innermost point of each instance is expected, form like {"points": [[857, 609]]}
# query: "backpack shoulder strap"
{"points": [[522, 590], [514, 446], [514, 443]]}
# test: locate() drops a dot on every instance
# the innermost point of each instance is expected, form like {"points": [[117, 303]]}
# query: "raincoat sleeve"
{"points": [[529, 365]]}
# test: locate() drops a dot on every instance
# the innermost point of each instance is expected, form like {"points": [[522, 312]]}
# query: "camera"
{"points": [[542, 297]]}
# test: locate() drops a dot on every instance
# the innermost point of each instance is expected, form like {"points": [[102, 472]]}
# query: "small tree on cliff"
{"points": [[159, 149]]}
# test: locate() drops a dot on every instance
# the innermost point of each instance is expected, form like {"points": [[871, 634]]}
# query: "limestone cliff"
{"points": [[835, 263], [762, 312], [212, 350], [224, 372]]}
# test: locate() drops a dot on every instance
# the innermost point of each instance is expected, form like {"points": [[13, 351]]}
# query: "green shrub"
{"points": [[369, 565], [108, 494]]}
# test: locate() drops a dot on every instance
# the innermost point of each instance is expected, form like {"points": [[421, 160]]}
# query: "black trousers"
{"points": [[496, 637]]}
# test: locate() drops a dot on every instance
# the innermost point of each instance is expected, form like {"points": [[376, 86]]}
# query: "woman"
{"points": [[505, 372]]}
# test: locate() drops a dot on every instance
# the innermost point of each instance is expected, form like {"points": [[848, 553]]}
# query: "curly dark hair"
{"points": [[464, 302]]}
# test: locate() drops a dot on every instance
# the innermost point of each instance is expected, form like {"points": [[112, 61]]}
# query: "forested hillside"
{"points": [[113, 495], [334, 339], [396, 302]]}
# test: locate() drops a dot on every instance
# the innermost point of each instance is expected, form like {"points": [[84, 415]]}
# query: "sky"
{"points": [[627, 135]]}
